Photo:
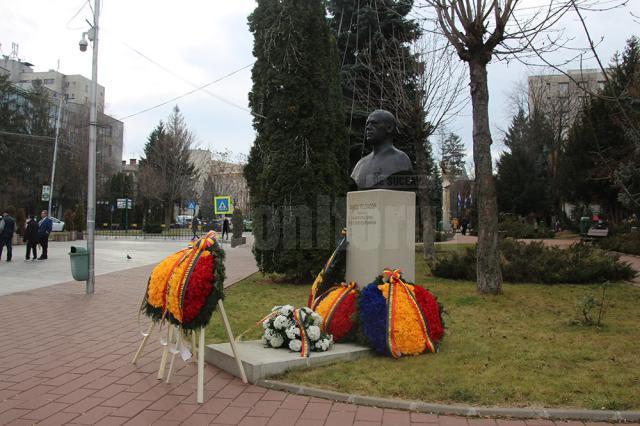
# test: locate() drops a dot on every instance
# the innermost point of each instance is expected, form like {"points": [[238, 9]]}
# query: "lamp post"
{"points": [[93, 130], [55, 151]]}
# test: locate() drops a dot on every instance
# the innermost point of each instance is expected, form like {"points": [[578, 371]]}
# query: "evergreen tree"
{"points": [[522, 180], [167, 174], [601, 157], [453, 153], [298, 162]]}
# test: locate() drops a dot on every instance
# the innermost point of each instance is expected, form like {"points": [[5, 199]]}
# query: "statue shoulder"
{"points": [[403, 157]]}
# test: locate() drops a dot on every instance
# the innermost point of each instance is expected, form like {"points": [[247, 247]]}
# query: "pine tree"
{"points": [[522, 181], [167, 174], [299, 155], [600, 161], [453, 153]]}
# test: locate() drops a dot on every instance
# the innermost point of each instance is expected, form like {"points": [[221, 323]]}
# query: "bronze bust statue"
{"points": [[378, 169]]}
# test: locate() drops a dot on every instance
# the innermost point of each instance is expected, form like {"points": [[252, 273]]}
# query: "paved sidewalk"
{"points": [[111, 256], [66, 359]]}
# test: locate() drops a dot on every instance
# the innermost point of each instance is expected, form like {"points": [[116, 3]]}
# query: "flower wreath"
{"points": [[185, 287], [399, 318], [337, 307], [297, 329]]}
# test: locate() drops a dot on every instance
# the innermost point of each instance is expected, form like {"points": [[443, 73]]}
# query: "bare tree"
{"points": [[481, 30]]}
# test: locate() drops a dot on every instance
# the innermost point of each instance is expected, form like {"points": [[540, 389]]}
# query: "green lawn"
{"points": [[517, 349]]}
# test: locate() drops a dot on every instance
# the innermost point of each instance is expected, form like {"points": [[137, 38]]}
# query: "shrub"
{"points": [[237, 223], [624, 243], [69, 219], [534, 263], [79, 223], [152, 228], [443, 236], [511, 227]]}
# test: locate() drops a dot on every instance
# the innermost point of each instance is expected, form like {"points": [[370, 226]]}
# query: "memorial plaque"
{"points": [[380, 233]]}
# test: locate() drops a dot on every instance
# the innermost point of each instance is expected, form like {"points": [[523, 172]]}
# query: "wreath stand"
{"points": [[199, 350]]}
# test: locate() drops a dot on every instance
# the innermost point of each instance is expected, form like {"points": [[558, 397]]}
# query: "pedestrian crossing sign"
{"points": [[222, 205]]}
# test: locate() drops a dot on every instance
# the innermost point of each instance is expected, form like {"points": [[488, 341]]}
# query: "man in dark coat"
{"points": [[225, 228], [44, 229], [7, 229], [31, 238]]}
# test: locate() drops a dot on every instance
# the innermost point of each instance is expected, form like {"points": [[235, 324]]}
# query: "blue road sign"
{"points": [[222, 205], [191, 204]]}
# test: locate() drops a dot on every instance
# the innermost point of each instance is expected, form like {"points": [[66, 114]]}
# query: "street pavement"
{"points": [[66, 359], [111, 256]]}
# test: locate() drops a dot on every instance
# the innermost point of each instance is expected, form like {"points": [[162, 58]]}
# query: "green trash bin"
{"points": [[79, 257], [585, 224]]}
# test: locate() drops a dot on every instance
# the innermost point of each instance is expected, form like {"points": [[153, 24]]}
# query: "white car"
{"points": [[57, 225]]}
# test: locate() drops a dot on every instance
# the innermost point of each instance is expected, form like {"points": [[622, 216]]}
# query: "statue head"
{"points": [[380, 127], [385, 161]]}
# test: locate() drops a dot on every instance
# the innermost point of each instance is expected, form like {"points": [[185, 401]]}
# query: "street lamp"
{"points": [[92, 34]]}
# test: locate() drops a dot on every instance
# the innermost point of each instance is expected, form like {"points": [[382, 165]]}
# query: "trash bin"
{"points": [[79, 257], [585, 223]]}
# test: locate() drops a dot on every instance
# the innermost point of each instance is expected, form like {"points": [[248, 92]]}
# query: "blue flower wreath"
{"points": [[372, 310]]}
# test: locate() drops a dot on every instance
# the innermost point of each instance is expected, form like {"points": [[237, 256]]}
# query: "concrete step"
{"points": [[260, 362]]}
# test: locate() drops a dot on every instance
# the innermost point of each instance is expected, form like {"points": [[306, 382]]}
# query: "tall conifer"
{"points": [[298, 163]]}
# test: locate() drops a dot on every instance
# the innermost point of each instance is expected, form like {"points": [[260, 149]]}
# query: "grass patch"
{"points": [[249, 301], [517, 349]]}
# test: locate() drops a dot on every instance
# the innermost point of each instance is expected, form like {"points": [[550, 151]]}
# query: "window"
{"points": [[563, 90], [49, 81], [601, 84]]}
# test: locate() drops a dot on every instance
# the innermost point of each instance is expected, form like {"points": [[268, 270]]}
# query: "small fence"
{"points": [[135, 232]]}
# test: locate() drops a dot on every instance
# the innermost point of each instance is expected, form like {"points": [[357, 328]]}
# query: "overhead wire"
{"points": [[197, 87], [189, 93]]}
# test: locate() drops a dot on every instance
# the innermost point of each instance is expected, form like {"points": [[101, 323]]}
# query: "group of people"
{"points": [[35, 232]]}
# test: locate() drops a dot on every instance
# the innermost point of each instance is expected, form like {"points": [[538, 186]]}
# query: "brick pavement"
{"points": [[66, 359]]}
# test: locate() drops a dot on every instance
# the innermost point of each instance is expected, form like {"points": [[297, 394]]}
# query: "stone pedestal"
{"points": [[380, 233]]}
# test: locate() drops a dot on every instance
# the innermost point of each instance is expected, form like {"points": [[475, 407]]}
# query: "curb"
{"points": [[458, 410]]}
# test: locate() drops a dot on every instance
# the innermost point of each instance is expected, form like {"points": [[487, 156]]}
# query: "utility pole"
{"points": [[93, 132], [55, 151]]}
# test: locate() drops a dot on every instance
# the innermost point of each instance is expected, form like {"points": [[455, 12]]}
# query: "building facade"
{"points": [[561, 96]]}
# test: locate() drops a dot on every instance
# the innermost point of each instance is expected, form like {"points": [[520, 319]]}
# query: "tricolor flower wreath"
{"points": [[399, 318], [185, 287], [337, 307], [297, 329]]}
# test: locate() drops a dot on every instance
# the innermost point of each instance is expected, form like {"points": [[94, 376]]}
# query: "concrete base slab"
{"points": [[260, 362]]}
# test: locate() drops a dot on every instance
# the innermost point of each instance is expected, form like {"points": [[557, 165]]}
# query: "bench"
{"points": [[595, 234]]}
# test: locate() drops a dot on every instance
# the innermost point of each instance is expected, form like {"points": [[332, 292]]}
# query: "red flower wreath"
{"points": [[429, 307], [199, 288]]}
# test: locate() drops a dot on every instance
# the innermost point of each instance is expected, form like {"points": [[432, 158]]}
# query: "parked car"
{"points": [[57, 225], [183, 220]]}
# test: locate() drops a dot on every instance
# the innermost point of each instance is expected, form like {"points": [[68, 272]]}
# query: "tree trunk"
{"points": [[426, 213], [489, 276]]}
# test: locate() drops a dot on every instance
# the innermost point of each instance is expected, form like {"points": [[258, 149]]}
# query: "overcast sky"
{"points": [[198, 41]]}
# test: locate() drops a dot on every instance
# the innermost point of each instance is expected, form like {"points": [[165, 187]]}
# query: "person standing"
{"points": [[44, 229], [7, 228], [31, 238], [194, 228], [465, 223], [225, 228]]}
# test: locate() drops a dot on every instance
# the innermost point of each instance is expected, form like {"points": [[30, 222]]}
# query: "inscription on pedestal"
{"points": [[381, 234]]}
